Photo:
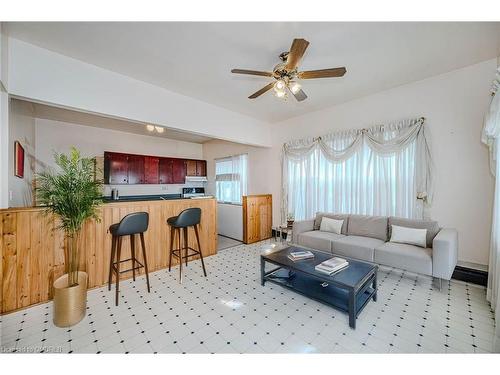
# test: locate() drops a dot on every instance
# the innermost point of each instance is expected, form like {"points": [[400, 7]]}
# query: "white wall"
{"points": [[92, 141], [454, 105], [4, 122], [258, 169], [45, 76], [22, 129]]}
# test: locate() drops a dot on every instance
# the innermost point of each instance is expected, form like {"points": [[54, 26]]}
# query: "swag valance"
{"points": [[383, 140]]}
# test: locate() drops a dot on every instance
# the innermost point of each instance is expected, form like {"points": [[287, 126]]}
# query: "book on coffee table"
{"points": [[300, 255], [332, 265]]}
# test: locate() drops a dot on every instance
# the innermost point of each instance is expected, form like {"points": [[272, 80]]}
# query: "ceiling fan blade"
{"points": [[252, 72], [262, 91], [322, 73], [299, 95], [297, 50]]}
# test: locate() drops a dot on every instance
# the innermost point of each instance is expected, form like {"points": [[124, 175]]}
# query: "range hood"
{"points": [[196, 179]]}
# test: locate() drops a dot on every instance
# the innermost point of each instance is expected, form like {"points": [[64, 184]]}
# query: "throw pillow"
{"points": [[331, 225], [409, 236]]}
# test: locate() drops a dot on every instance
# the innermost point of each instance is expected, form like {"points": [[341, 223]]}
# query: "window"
{"points": [[231, 178], [365, 182]]}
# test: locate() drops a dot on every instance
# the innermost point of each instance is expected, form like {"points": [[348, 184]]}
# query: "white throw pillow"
{"points": [[411, 236], [331, 225]]}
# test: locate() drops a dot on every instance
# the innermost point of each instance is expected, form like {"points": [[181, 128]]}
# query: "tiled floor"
{"points": [[224, 242], [231, 313]]}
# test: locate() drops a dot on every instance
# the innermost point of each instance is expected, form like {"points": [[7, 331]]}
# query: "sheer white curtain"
{"points": [[231, 178], [491, 137], [384, 170]]}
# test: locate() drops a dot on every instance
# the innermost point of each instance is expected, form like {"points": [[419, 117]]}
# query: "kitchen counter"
{"points": [[33, 252], [136, 198]]}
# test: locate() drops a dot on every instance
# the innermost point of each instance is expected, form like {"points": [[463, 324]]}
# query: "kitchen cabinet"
{"points": [[178, 171], [165, 171], [120, 168], [201, 168], [151, 170], [196, 168], [257, 217], [135, 169], [115, 168], [172, 171]]}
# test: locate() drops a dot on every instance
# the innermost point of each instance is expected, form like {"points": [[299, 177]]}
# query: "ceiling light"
{"points": [[159, 129], [280, 94], [150, 128], [279, 85], [294, 87]]}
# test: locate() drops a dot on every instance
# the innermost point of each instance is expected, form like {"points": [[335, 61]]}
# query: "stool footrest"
{"points": [[140, 265], [195, 252]]}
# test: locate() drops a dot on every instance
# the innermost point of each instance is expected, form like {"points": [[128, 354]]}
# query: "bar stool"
{"points": [[130, 225], [188, 218]]}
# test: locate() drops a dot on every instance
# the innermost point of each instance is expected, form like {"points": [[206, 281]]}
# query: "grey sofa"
{"points": [[367, 238]]}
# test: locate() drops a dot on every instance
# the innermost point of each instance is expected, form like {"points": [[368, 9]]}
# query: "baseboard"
{"points": [[470, 275]]}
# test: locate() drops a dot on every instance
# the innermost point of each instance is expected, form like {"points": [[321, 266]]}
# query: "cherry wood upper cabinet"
{"points": [[201, 168], [190, 167], [151, 169], [135, 169], [166, 172], [120, 168], [178, 171], [196, 168], [115, 168]]}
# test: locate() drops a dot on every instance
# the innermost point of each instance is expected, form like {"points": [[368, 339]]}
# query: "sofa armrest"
{"points": [[444, 253], [301, 227]]}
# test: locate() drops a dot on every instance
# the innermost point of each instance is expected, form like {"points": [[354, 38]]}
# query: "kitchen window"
{"points": [[231, 178]]}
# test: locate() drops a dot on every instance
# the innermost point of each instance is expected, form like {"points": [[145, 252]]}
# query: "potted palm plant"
{"points": [[73, 195]]}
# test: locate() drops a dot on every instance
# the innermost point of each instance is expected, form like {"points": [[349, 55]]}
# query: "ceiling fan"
{"points": [[286, 73]]}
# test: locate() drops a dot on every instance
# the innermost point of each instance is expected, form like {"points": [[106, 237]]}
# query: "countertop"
{"points": [[138, 198]]}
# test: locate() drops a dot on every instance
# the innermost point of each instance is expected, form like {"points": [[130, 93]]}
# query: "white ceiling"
{"points": [[89, 119], [195, 58]]}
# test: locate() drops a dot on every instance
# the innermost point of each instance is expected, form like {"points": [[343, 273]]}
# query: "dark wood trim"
{"points": [[470, 275]]}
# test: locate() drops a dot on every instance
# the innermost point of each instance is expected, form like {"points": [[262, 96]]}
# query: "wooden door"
{"points": [[257, 217], [135, 169], [115, 168], [166, 172], [178, 171], [191, 168], [201, 168], [151, 170]]}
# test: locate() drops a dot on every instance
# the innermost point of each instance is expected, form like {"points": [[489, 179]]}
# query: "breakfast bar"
{"points": [[32, 252]]}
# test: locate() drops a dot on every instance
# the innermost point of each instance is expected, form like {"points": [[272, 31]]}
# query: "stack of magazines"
{"points": [[300, 255], [332, 265]]}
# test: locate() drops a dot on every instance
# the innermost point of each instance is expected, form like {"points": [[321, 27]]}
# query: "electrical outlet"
{"points": [[10, 195]]}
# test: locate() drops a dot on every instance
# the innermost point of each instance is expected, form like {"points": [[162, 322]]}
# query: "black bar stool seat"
{"points": [[190, 217], [130, 225]]}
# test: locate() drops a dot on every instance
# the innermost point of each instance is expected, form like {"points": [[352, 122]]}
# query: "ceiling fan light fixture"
{"points": [[280, 85], [294, 87], [280, 94], [150, 128], [159, 129]]}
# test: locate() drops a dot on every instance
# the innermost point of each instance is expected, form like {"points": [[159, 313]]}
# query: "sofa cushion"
{"points": [[407, 257], [368, 226], [331, 225], [318, 240], [357, 247], [319, 216], [431, 226]]}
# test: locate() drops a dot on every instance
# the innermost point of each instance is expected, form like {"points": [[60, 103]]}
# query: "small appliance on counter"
{"points": [[115, 194], [193, 192]]}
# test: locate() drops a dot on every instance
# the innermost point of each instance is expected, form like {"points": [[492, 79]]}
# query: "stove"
{"points": [[193, 192]]}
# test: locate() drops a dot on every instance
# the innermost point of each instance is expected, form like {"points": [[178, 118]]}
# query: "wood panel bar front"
{"points": [[32, 251]]}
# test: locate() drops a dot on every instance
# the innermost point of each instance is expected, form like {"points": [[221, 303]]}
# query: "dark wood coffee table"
{"points": [[348, 290]]}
